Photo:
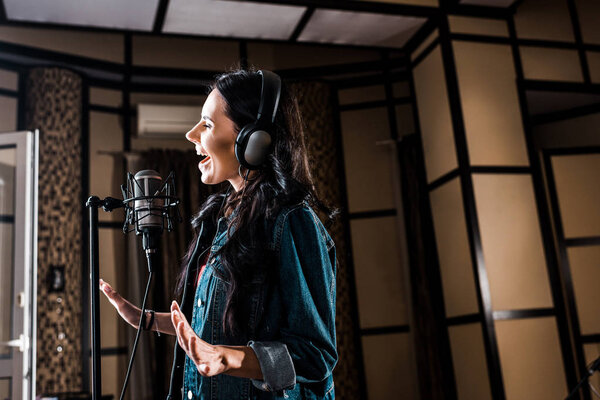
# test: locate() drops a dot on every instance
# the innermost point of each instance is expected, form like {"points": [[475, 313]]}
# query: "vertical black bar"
{"points": [[85, 184], [127, 93], [95, 301], [448, 377], [21, 101], [243, 54], [348, 240], [569, 295], [552, 263], [585, 68], [466, 181]]}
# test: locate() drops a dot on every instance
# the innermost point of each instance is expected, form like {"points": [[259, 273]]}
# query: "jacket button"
{"points": [[190, 394], [200, 303]]}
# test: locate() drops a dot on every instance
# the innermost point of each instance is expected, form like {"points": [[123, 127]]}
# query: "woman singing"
{"points": [[257, 315]]}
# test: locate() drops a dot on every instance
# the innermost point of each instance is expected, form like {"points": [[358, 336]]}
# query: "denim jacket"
{"points": [[292, 322]]}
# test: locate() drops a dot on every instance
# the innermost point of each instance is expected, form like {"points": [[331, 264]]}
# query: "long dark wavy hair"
{"points": [[285, 179]]}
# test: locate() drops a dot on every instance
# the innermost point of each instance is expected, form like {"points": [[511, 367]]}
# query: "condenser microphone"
{"points": [[148, 208]]}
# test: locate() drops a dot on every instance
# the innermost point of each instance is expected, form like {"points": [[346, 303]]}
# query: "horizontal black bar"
{"points": [[112, 351], [521, 314], [105, 109], [374, 104], [583, 241], [110, 224], [7, 219], [8, 146], [9, 93], [384, 330], [469, 37], [559, 86], [372, 214], [495, 169], [463, 319], [565, 151], [591, 338]]}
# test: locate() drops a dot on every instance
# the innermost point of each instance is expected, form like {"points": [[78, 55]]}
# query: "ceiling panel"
{"points": [[232, 19], [116, 14], [357, 28], [543, 102]]}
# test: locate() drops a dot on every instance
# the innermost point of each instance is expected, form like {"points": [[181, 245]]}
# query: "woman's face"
{"points": [[215, 136]]}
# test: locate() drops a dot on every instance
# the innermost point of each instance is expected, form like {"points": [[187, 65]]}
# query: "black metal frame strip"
{"points": [[583, 241], [7, 219], [585, 68], [591, 338], [106, 109], [561, 115], [480, 273], [372, 214], [348, 240], [464, 319], [543, 214], [566, 282], [301, 24], [159, 19], [522, 314], [384, 330], [9, 93], [426, 51]]}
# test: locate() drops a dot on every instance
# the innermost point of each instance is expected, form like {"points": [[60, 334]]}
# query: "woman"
{"points": [[258, 312]]}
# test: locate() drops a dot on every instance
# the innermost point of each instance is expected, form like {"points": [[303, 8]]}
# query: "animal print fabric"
{"points": [[315, 102], [53, 105]]}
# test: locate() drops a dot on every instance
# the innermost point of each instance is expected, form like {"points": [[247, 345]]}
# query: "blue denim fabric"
{"points": [[293, 321]]}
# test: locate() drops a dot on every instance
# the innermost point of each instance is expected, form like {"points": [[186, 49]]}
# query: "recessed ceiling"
{"points": [[115, 14], [232, 19], [357, 28]]}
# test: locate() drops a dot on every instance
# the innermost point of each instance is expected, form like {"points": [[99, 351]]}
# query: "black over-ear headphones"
{"points": [[253, 142]]}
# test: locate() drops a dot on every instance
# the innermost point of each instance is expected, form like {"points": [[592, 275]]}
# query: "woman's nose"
{"points": [[193, 135]]}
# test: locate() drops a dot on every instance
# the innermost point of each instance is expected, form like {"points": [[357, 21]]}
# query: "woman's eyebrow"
{"points": [[208, 118]]}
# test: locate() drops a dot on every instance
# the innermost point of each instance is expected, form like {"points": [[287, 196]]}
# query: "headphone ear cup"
{"points": [[252, 146]]}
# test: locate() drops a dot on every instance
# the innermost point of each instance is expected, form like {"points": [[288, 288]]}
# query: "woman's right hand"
{"points": [[127, 311]]}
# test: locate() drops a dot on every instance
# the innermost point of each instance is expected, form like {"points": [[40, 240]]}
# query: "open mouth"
{"points": [[205, 160]]}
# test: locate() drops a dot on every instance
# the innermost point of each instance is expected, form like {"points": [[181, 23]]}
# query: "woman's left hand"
{"points": [[208, 358]]}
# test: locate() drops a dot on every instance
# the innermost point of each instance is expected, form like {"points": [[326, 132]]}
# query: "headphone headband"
{"points": [[270, 91]]}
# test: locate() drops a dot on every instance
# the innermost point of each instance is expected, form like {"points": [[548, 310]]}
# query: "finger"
{"points": [[196, 356], [182, 332]]}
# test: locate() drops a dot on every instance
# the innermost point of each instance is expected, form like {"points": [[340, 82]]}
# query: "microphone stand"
{"points": [[108, 204], [589, 372]]}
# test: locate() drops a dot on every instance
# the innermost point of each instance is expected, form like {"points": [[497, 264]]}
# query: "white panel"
{"points": [[232, 19], [389, 367], [379, 277], [331, 26], [131, 14]]}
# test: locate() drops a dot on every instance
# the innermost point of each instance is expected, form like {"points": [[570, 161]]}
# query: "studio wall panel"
{"points": [[105, 97], [8, 114], [585, 274], [576, 178], [389, 367], [532, 365], [379, 272], [368, 166], [592, 352], [401, 89], [102, 46], [551, 64], [424, 44], [469, 361], [9, 79], [361, 94], [511, 241], [544, 19], [589, 15], [458, 281], [405, 122], [593, 58], [190, 53], [478, 26], [434, 116], [106, 175], [490, 104], [284, 56]]}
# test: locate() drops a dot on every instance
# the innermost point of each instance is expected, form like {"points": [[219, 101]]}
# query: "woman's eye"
{"points": [[206, 126]]}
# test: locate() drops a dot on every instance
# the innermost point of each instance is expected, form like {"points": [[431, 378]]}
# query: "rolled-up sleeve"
{"points": [[306, 348]]}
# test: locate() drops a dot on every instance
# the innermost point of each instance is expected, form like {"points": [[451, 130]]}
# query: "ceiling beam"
{"points": [[159, 20], [301, 24]]}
